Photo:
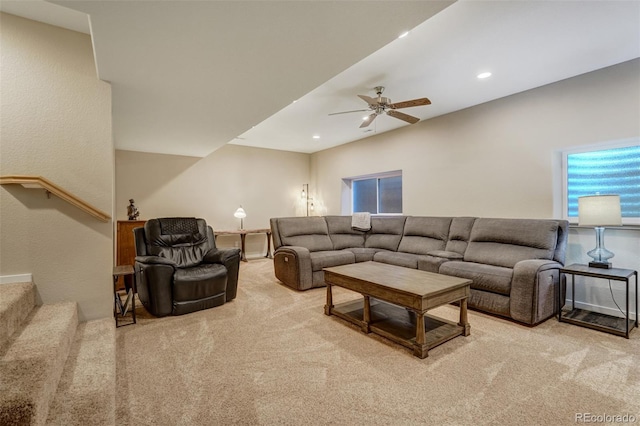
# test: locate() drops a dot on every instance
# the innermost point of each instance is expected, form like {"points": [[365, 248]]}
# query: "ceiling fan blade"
{"points": [[368, 120], [369, 100], [411, 103], [347, 112], [402, 116]]}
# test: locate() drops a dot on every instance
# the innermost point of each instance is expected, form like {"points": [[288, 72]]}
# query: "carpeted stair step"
{"points": [[16, 302], [32, 361], [86, 393]]}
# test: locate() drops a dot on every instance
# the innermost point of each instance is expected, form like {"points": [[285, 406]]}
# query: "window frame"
{"points": [[602, 146], [349, 184]]}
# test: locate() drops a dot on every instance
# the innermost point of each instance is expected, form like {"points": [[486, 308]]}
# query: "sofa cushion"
{"points": [[309, 232], [431, 263], [459, 234], [490, 302], [408, 260], [385, 233], [505, 242], [326, 259], [199, 282], [363, 254], [424, 234], [495, 279], [342, 234]]}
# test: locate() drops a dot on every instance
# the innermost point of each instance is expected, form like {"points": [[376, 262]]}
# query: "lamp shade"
{"points": [[599, 210], [240, 213]]}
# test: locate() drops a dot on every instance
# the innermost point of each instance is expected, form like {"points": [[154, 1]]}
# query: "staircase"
{"points": [[53, 370]]}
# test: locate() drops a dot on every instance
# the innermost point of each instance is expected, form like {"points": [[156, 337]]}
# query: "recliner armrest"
{"points": [[230, 258], [154, 278], [155, 260], [220, 256]]}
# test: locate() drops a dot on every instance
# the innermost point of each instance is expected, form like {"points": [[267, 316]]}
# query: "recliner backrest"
{"points": [[424, 234], [342, 234], [309, 232], [183, 240], [385, 233], [505, 242], [459, 234]]}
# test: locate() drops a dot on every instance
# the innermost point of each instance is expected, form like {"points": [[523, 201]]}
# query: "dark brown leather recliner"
{"points": [[179, 269]]}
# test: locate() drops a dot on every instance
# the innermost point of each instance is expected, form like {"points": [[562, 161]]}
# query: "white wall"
{"points": [[501, 159], [267, 183], [56, 123]]}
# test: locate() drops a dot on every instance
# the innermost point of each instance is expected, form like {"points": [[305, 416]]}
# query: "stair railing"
{"points": [[52, 188]]}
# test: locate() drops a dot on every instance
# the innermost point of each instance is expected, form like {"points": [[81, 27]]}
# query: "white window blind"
{"points": [[604, 171]]}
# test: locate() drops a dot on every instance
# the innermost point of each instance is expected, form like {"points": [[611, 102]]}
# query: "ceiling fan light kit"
{"points": [[382, 105]]}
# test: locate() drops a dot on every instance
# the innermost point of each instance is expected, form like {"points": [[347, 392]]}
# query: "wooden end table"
{"points": [[243, 235], [120, 309]]}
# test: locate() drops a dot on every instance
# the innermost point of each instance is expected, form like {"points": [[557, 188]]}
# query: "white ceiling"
{"points": [[188, 77]]}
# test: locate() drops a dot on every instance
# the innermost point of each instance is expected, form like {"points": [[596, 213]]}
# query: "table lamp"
{"points": [[240, 214], [599, 211]]}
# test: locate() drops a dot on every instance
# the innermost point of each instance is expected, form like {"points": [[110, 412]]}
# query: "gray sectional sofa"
{"points": [[514, 263]]}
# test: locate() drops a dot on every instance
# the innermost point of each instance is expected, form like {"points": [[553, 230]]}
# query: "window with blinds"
{"points": [[604, 171]]}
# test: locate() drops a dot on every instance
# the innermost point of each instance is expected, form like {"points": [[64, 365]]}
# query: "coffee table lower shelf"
{"points": [[397, 324]]}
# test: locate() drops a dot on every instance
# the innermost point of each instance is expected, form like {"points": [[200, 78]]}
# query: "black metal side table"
{"points": [[595, 320], [121, 308]]}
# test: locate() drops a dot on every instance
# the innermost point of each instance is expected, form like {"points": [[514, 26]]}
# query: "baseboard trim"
{"points": [[614, 312], [21, 278]]}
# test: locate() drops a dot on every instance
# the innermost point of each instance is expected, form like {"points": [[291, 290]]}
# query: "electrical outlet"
{"points": [[235, 244]]}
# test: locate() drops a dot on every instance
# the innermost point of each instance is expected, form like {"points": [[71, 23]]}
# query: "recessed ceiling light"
{"points": [[404, 34], [316, 136], [484, 75]]}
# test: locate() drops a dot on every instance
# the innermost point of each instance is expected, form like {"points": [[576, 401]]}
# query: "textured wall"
{"points": [[56, 122], [267, 183]]}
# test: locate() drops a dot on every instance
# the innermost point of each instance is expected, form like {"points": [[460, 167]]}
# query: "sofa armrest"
{"points": [[449, 255], [534, 288], [292, 266]]}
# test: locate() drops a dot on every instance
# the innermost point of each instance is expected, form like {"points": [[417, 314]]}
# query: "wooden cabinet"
{"points": [[125, 248]]}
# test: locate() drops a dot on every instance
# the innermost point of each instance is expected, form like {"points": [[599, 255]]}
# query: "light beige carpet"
{"points": [[272, 357]]}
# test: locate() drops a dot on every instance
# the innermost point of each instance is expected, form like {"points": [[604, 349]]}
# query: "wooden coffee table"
{"points": [[395, 303]]}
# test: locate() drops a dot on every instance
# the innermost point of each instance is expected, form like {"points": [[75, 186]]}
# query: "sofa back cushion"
{"points": [[309, 232], [459, 234], [385, 233], [342, 234], [505, 242], [183, 240], [424, 234]]}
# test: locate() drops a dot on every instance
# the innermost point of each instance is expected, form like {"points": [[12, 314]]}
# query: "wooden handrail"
{"points": [[47, 185]]}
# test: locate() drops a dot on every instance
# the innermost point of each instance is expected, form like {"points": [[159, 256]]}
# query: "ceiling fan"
{"points": [[381, 105]]}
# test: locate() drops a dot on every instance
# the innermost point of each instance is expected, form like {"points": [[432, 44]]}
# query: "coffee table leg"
{"points": [[366, 315], [329, 305], [464, 322], [420, 349]]}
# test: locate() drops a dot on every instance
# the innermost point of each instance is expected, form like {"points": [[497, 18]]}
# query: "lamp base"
{"points": [[601, 265], [600, 254]]}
